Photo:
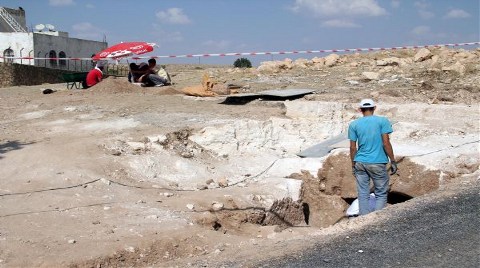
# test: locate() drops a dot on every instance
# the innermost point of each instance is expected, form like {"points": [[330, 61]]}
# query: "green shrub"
{"points": [[242, 63]]}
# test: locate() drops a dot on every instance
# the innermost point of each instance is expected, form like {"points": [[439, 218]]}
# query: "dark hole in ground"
{"points": [[216, 226], [393, 198], [349, 200], [396, 197], [306, 212]]}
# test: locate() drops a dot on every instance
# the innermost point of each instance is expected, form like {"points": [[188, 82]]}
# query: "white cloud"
{"points": [[422, 7], [421, 30], [86, 30], [339, 24], [56, 3], [90, 6], [457, 14], [421, 4], [173, 37], [164, 36], [217, 45], [345, 8], [395, 3], [424, 14], [173, 16]]}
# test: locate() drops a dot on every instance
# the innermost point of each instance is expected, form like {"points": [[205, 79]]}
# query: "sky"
{"points": [[182, 27]]}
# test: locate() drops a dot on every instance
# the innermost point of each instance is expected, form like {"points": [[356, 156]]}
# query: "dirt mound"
{"points": [[114, 84]]}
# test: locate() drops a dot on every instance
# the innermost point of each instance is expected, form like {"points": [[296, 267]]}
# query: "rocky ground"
{"points": [[120, 175]]}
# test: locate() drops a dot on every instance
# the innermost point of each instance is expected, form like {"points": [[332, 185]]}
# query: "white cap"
{"points": [[367, 103]]}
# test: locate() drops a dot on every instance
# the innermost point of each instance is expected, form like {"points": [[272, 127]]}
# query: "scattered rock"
{"points": [[285, 212], [48, 91], [223, 182], [457, 67], [422, 55], [216, 206], [393, 61], [371, 75], [202, 186], [331, 60]]}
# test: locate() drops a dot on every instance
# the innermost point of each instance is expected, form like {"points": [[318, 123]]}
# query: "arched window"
{"points": [[52, 55], [8, 53], [62, 55]]}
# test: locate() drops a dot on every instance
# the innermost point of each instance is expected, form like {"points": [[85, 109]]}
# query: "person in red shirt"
{"points": [[95, 75]]}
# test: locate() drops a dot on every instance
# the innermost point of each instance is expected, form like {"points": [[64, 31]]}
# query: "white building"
{"points": [[42, 42]]}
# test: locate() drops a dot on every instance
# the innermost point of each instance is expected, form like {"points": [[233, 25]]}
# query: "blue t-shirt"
{"points": [[367, 132]]}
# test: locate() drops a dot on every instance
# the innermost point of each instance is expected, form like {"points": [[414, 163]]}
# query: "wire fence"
{"points": [[77, 66]]}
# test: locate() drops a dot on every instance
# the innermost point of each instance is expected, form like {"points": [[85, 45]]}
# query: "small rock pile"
{"points": [[437, 59]]}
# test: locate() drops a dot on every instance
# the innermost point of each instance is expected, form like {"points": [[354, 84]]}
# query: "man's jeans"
{"points": [[155, 80], [378, 173]]}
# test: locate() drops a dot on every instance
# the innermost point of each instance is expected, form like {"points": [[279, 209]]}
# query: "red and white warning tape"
{"points": [[262, 53]]}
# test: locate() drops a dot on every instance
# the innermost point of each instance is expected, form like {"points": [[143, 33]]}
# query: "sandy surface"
{"points": [[121, 175]]}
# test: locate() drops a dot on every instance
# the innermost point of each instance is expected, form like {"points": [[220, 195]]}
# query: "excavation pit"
{"points": [[257, 161]]}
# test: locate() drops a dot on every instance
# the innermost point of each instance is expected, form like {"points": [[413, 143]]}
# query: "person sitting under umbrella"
{"points": [[146, 74], [95, 75]]}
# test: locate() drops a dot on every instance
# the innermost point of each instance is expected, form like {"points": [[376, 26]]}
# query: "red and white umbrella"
{"points": [[123, 50]]}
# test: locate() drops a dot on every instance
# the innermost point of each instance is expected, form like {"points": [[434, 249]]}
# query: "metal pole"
{"points": [[38, 61], [21, 61], [29, 60]]}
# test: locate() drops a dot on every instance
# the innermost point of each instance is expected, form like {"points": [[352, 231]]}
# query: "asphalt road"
{"points": [[443, 232]]}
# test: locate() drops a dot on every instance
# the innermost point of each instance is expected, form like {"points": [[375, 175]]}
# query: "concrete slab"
{"points": [[323, 148]]}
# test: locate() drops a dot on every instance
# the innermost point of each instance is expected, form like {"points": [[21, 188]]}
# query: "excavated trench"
{"points": [[245, 174], [324, 191], [277, 187], [324, 199]]}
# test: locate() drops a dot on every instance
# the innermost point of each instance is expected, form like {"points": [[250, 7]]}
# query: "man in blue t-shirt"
{"points": [[370, 149]]}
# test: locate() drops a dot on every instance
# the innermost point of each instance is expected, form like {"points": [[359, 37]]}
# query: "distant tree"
{"points": [[242, 63]]}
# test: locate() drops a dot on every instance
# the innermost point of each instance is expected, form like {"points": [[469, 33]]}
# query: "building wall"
{"points": [[72, 47], [26, 75], [17, 14], [20, 43], [46, 44]]}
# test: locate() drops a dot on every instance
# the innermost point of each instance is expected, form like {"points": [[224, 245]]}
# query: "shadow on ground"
{"points": [[8, 146]]}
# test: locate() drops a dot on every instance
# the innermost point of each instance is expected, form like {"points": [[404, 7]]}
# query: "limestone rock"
{"points": [[457, 67], [285, 212], [331, 60], [318, 60], [371, 75], [223, 182], [392, 61], [268, 67], [302, 63], [216, 206], [422, 55]]}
